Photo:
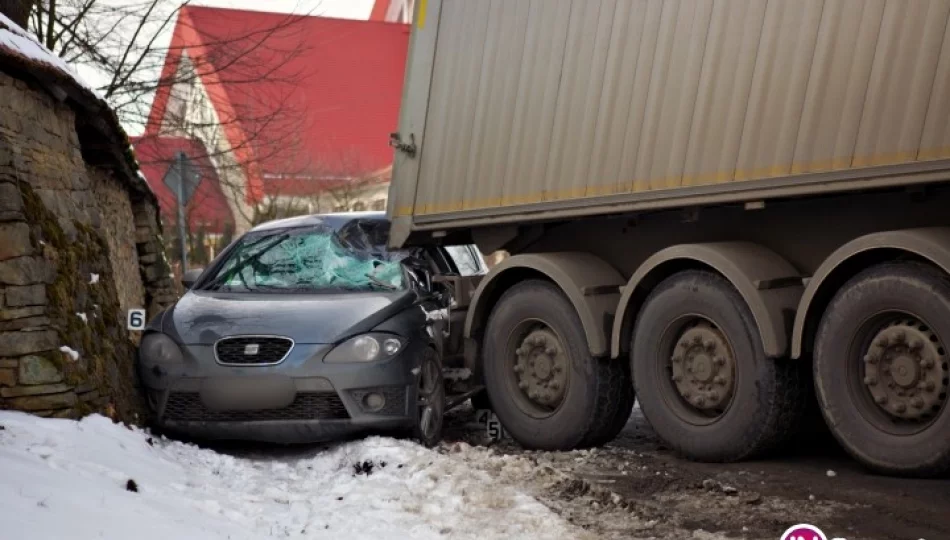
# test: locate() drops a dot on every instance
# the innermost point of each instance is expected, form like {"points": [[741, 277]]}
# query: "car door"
{"points": [[461, 269]]}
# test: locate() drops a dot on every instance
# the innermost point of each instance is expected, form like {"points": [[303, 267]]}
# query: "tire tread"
{"points": [[614, 402], [901, 271], [612, 390], [782, 405]]}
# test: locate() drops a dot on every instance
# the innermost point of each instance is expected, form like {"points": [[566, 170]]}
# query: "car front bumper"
{"points": [[300, 400]]}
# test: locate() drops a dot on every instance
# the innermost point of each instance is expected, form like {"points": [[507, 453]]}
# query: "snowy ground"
{"points": [[95, 479], [64, 479]]}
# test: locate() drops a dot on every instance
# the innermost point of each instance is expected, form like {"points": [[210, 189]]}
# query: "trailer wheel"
{"points": [[702, 378], [543, 384], [881, 369]]}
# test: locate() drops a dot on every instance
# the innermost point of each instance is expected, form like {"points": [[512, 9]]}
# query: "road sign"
{"points": [[182, 178]]}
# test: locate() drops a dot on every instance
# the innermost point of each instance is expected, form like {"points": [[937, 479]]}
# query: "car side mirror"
{"points": [[191, 277]]}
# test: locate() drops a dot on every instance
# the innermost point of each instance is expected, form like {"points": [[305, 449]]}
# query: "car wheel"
{"points": [[542, 382], [702, 378], [430, 400], [882, 372]]}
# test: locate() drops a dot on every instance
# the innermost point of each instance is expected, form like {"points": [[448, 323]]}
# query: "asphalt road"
{"points": [[636, 488]]}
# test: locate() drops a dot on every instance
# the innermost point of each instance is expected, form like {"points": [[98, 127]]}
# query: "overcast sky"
{"points": [[347, 9]]}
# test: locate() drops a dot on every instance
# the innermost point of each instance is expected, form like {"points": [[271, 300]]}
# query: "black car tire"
{"points": [[594, 404], [912, 291], [430, 371], [767, 397]]}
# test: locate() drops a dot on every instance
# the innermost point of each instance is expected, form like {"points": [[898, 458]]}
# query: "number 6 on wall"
{"points": [[136, 320]]}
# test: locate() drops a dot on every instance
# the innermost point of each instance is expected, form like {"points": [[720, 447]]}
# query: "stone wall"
{"points": [[161, 289], [78, 247], [118, 228]]}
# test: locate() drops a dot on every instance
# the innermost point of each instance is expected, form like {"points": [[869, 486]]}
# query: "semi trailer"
{"points": [[730, 210]]}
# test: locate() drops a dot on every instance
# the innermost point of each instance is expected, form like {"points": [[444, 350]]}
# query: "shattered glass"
{"points": [[315, 258]]}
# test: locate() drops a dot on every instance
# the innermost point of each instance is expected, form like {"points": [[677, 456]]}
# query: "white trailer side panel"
{"points": [[531, 109]]}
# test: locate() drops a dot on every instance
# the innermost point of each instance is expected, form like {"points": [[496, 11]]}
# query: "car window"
{"points": [[466, 259], [310, 259]]}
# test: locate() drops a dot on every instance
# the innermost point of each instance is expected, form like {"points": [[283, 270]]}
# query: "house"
{"points": [[287, 113], [208, 209], [393, 11]]}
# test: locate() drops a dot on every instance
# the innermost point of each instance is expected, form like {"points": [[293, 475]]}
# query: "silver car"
{"points": [[308, 330]]}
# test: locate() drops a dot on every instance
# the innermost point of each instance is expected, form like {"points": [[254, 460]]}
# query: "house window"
{"points": [[359, 206], [379, 204]]}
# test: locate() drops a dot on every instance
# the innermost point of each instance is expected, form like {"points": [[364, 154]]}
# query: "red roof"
{"points": [[208, 207], [380, 8], [295, 94]]}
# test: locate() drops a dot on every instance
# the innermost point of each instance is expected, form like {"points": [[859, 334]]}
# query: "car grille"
{"points": [[238, 350], [188, 407]]}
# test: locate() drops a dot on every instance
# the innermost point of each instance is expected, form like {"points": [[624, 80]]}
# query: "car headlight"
{"points": [[160, 349], [365, 348]]}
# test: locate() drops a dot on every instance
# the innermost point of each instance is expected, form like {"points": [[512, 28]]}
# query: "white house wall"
{"points": [[370, 198], [201, 121], [400, 11]]}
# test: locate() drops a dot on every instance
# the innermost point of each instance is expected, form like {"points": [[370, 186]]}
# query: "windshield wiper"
{"points": [[240, 266], [376, 281]]}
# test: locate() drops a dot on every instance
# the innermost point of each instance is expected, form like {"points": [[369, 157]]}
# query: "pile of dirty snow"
{"points": [[96, 479]]}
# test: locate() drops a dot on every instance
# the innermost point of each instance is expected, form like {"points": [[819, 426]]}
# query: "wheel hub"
{"points": [[541, 368], [704, 368], [906, 372]]}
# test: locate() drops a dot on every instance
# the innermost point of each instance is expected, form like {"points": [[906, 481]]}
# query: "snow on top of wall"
{"points": [[18, 40], [68, 479]]}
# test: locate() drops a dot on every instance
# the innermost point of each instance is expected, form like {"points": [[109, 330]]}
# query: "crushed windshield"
{"points": [[313, 259]]}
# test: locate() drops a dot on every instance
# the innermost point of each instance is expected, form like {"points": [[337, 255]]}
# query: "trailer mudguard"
{"points": [[931, 244], [769, 284], [591, 285]]}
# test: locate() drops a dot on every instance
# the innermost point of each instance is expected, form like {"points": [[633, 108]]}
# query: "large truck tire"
{"points": [[702, 378], [881, 369], [617, 404], [544, 385]]}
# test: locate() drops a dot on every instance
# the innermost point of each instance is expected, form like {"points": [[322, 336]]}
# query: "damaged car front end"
{"points": [[304, 330]]}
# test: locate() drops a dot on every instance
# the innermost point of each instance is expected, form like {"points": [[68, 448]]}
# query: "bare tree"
{"points": [[274, 206], [120, 39], [17, 11], [346, 194], [344, 178]]}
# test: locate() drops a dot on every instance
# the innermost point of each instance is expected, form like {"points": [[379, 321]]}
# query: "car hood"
{"points": [[201, 317]]}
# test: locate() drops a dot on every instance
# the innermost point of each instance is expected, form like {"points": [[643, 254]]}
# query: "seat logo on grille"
{"points": [[251, 349]]}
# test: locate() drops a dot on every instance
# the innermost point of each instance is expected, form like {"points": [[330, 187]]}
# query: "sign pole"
{"points": [[182, 226]]}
